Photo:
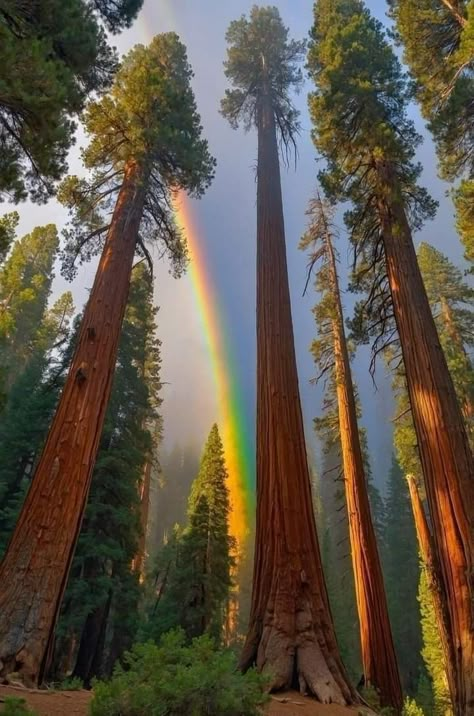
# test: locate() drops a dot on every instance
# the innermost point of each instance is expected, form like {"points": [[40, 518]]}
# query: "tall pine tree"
{"points": [[101, 598], [359, 110], [290, 633], [54, 54], [145, 143], [332, 355], [197, 589]]}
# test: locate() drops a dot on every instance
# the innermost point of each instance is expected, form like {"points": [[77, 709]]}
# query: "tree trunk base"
{"points": [[297, 659]]}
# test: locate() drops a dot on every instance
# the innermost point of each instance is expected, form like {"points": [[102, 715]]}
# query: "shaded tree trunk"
{"points": [[430, 562], [34, 571], [91, 647], [291, 634], [378, 652], [443, 444]]}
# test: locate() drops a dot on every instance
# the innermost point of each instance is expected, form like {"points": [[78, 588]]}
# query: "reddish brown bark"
{"points": [[34, 571], [443, 444], [378, 652], [291, 634], [455, 12], [430, 561]]}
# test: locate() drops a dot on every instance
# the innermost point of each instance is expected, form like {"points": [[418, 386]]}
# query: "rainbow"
{"points": [[232, 419]]}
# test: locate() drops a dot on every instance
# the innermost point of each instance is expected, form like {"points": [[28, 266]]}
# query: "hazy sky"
{"points": [[227, 220]]}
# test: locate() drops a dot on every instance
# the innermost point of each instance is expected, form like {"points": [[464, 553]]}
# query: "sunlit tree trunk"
{"points": [[428, 556], [291, 634], [443, 444], [378, 651], [34, 572], [457, 342], [139, 560]]}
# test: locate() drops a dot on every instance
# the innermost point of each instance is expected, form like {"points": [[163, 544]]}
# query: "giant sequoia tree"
{"points": [[145, 143], [332, 355], [361, 128], [291, 632]]}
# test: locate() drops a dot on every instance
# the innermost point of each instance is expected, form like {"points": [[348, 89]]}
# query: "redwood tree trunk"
{"points": [[378, 652], [430, 562], [443, 444], [34, 571], [291, 634], [91, 647]]}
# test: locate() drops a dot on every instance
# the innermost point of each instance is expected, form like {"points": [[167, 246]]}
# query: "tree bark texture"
{"points": [[34, 571], [91, 647], [443, 444], [291, 634], [425, 541], [378, 652]]}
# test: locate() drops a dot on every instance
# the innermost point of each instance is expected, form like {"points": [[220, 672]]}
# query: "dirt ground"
{"points": [[74, 703]]}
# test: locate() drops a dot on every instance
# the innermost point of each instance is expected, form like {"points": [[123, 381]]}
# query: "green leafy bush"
{"points": [[411, 708], [72, 683], [15, 707], [174, 679]]}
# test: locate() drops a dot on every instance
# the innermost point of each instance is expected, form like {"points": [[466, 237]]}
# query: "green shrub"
{"points": [[15, 707], [174, 679], [72, 683], [411, 708]]}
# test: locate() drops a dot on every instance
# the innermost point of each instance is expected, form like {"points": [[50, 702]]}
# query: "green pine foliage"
{"points": [[16, 707], [402, 574], [25, 285], [54, 54], [8, 226], [262, 59], [102, 586], [199, 559], [176, 679], [359, 111], [438, 40], [28, 410], [464, 203], [148, 119], [432, 652]]}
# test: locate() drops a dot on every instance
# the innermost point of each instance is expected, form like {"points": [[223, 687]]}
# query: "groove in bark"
{"points": [[378, 652], [425, 541], [34, 571], [291, 634], [443, 444]]}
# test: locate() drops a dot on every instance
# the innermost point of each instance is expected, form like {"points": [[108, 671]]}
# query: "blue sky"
{"points": [[227, 218]]}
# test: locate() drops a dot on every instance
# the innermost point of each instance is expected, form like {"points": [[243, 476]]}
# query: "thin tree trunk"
{"points": [[91, 647], [443, 444], [378, 652], [34, 571], [425, 541], [139, 560], [467, 406], [291, 634]]}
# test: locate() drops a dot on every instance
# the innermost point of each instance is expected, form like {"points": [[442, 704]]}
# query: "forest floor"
{"points": [[75, 703]]}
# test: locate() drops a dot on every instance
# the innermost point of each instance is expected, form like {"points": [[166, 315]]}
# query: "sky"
{"points": [[226, 224]]}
